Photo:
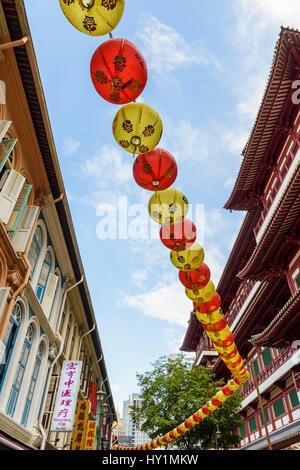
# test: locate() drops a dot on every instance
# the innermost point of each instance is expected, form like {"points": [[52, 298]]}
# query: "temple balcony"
{"points": [[279, 184], [287, 360], [206, 355], [241, 303]]}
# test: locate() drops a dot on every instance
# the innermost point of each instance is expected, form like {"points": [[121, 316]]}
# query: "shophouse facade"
{"points": [[46, 314]]}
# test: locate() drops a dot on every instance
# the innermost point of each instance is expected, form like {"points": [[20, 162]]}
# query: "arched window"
{"points": [[32, 385], [44, 276], [19, 374], [35, 248], [9, 339]]}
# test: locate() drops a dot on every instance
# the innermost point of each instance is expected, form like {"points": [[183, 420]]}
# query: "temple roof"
{"points": [[280, 236], [271, 125], [285, 326], [242, 249], [193, 334]]}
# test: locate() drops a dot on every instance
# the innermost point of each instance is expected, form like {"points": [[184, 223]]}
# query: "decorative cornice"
{"points": [[280, 314]]}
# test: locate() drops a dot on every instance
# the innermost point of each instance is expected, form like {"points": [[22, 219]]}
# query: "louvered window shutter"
{"points": [[4, 126], [10, 190], [4, 291], [43, 279], [50, 401], [49, 294], [19, 208], [31, 390], [20, 236], [2, 92], [14, 394]]}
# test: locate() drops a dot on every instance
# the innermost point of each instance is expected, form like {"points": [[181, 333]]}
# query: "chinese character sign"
{"points": [[90, 435], [80, 427], [66, 401]]}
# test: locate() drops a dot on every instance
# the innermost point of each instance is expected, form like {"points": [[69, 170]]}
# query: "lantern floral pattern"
{"points": [[180, 236], [119, 72], [156, 170], [96, 17], [168, 207], [129, 126]]}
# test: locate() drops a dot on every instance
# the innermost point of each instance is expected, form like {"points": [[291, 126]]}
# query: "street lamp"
{"points": [[218, 436], [104, 413], [100, 397]]}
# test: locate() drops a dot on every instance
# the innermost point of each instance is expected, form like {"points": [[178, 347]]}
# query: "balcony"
{"points": [[279, 185], [205, 352], [268, 371], [240, 302]]}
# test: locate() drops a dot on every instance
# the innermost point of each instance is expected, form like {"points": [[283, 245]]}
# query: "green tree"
{"points": [[172, 391]]}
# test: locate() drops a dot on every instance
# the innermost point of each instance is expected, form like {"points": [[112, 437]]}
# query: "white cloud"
{"points": [[70, 146], [107, 168], [168, 303], [174, 339], [139, 277], [166, 50], [255, 16], [229, 182]]}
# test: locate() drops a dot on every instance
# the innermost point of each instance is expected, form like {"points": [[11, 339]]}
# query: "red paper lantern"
{"points": [[218, 326], [210, 306], [118, 71], [195, 280], [226, 342], [156, 170], [180, 236]]}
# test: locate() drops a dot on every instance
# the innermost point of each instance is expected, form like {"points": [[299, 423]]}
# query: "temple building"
{"points": [[46, 314], [259, 287]]}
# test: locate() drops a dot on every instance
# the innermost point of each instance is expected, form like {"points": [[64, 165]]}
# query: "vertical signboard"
{"points": [[80, 427], [90, 435], [66, 400]]}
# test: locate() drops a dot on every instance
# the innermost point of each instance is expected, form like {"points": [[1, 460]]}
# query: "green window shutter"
{"points": [[256, 368], [252, 424], [267, 357], [6, 147], [243, 431], [294, 398], [266, 413], [278, 408]]}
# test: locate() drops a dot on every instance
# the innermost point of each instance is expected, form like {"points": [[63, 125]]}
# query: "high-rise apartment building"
{"points": [[130, 429]]}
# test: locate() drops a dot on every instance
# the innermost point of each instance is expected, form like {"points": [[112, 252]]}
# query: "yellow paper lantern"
{"points": [[188, 260], [93, 17], [137, 128], [221, 396], [202, 295], [212, 317], [219, 335], [168, 207]]}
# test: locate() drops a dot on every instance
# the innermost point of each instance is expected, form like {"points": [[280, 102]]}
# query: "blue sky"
{"points": [[208, 64]]}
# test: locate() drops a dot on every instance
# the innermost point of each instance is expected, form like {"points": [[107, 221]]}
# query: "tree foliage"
{"points": [[172, 391]]}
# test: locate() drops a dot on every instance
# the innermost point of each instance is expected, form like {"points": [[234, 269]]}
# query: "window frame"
{"points": [[11, 340], [43, 288]]}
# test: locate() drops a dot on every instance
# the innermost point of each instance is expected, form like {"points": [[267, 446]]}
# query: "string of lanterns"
{"points": [[119, 74]]}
